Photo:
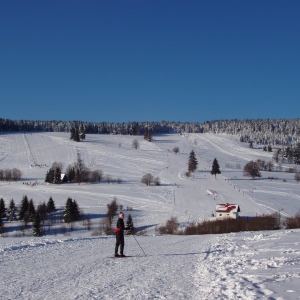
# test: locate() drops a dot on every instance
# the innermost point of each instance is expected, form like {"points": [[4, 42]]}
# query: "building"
{"points": [[227, 210]]}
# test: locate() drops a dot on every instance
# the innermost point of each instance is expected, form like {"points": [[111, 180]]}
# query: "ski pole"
{"points": [[139, 244]]}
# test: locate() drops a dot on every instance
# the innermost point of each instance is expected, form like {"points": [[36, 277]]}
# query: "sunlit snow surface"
{"points": [[254, 265]]}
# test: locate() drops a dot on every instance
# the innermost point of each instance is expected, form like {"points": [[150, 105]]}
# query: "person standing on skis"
{"points": [[120, 235]]}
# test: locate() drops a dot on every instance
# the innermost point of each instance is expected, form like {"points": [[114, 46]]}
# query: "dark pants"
{"points": [[119, 242]]}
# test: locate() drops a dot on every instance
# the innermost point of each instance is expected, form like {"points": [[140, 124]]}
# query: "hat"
{"points": [[121, 213]]}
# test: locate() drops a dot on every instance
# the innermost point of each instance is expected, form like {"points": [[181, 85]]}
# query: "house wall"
{"points": [[233, 215]]}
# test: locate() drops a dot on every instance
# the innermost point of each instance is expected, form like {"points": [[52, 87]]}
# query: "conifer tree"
{"points": [[215, 168], [50, 205], [57, 176], [72, 132], [129, 223], [71, 212], [2, 207], [11, 212], [192, 162], [81, 132], [75, 211], [23, 207], [147, 135], [42, 211], [1, 224], [36, 225], [67, 213], [51, 175], [30, 213], [76, 137], [47, 177]]}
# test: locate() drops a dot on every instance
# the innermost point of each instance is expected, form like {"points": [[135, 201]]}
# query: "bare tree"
{"points": [[81, 171], [251, 169], [270, 166], [57, 165], [8, 174], [176, 150], [156, 181], [108, 178], [135, 144], [297, 177], [171, 226], [112, 208], [16, 174], [147, 179], [276, 155]]}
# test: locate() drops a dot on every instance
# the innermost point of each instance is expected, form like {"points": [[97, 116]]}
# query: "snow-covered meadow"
{"points": [[78, 265]]}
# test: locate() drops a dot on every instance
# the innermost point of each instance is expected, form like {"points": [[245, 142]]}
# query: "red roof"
{"points": [[227, 208]]}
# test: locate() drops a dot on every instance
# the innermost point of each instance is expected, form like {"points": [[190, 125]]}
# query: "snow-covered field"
{"points": [[250, 265]]}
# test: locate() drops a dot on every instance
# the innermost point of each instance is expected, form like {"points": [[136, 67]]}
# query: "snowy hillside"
{"points": [[77, 266]]}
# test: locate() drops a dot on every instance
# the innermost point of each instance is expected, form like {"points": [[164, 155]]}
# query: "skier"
{"points": [[120, 235]]}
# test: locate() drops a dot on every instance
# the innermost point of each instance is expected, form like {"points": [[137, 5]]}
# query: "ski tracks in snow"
{"points": [[237, 266]]}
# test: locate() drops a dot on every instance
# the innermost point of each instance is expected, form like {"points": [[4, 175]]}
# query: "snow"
{"points": [[248, 265]]}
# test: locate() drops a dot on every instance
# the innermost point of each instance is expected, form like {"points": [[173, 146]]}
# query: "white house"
{"points": [[227, 211]]}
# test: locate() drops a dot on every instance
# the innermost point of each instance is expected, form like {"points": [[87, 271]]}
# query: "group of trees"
{"points": [[258, 223], [193, 164], [290, 154], [27, 212], [77, 172], [10, 174], [148, 178], [77, 133]]}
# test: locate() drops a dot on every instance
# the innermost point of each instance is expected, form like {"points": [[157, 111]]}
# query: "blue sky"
{"points": [[149, 60]]}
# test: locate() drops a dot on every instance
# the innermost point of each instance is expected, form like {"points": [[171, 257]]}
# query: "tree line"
{"points": [[10, 174], [26, 212], [260, 131]]}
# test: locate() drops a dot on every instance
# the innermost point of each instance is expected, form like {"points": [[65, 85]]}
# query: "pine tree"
{"points": [[2, 207], [23, 207], [42, 211], [1, 224], [75, 211], [67, 213], [36, 226], [215, 168], [50, 206], [72, 132], [11, 212], [76, 137], [129, 223], [192, 162], [147, 135], [51, 175], [30, 213], [81, 132], [71, 212], [47, 177], [57, 176]]}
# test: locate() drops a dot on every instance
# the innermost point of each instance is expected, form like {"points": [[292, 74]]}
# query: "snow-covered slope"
{"points": [[244, 265]]}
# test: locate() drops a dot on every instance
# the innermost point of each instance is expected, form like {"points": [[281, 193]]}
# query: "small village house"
{"points": [[227, 210]]}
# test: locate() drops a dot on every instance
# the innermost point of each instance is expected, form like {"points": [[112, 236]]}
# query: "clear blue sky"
{"points": [[149, 60]]}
